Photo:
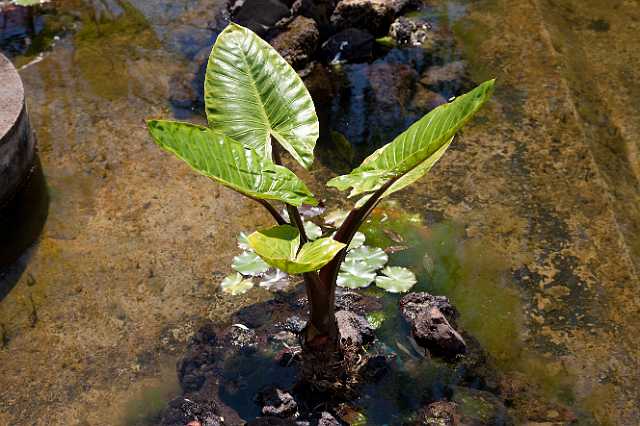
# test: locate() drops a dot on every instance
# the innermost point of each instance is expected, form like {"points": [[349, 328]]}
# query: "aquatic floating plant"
{"points": [[257, 107]]}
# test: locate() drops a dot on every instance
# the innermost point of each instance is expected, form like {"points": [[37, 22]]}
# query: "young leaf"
{"points": [[249, 263], [397, 279], [252, 94], [278, 246], [229, 162], [412, 154], [235, 284]]}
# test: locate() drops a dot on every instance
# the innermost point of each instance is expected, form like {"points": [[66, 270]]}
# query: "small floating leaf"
{"points": [[249, 263], [374, 257], [312, 230], [358, 240], [336, 217], [355, 274], [236, 284], [243, 243], [275, 280], [396, 280]]}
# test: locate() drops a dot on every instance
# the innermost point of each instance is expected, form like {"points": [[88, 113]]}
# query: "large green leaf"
{"points": [[252, 94], [412, 154], [278, 246], [229, 162]]}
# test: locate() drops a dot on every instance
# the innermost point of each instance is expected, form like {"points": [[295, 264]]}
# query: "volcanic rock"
{"points": [[354, 329], [298, 42], [374, 16]]}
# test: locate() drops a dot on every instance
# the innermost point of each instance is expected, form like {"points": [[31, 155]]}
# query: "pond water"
{"points": [[530, 223]]}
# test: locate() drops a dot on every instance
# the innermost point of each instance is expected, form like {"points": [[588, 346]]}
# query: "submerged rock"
{"points": [[413, 303], [242, 337], [259, 15], [278, 403], [438, 77], [432, 331], [272, 421], [318, 10], [327, 419], [199, 361], [298, 42], [350, 45], [182, 411], [374, 16], [477, 407], [407, 32], [356, 302], [430, 328], [354, 329], [439, 413]]}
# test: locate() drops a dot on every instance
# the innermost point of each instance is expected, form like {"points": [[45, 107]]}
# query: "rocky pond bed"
{"points": [[248, 371], [525, 215]]}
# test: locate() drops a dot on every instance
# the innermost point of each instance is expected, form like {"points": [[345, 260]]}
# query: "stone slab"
{"points": [[17, 143]]}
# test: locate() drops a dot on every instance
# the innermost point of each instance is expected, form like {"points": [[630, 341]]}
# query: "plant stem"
{"points": [[294, 214], [329, 273], [277, 216]]}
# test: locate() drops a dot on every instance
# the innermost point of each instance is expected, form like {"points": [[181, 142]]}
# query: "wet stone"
{"points": [[354, 329], [278, 403], [372, 15], [439, 77], [298, 42], [350, 45], [182, 411], [242, 338], [199, 361], [327, 419], [432, 331], [429, 318], [376, 368], [477, 407], [413, 303], [439, 413], [259, 15], [273, 421], [356, 302], [318, 10], [407, 32]]}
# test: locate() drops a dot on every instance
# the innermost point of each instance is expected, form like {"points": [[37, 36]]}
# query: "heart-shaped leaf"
{"points": [[236, 284], [412, 154], [374, 257], [396, 279], [253, 94], [249, 263], [229, 162], [279, 245]]}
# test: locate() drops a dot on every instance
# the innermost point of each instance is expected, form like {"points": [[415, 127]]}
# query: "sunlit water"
{"points": [[527, 224]]}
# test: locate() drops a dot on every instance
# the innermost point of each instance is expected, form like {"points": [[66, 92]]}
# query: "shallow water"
{"points": [[529, 223]]}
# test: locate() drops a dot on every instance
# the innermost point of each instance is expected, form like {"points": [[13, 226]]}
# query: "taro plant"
{"points": [[258, 107]]}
